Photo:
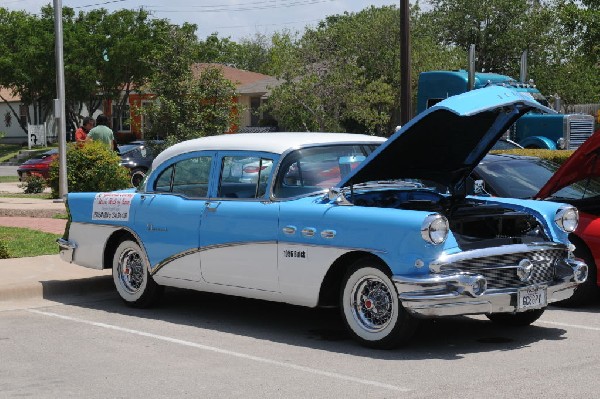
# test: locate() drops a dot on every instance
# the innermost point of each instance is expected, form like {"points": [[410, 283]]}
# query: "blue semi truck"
{"points": [[534, 130]]}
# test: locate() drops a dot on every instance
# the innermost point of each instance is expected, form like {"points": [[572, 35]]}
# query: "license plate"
{"points": [[531, 298]]}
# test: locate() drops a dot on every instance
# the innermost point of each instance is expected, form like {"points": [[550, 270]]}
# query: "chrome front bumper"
{"points": [[463, 293]]}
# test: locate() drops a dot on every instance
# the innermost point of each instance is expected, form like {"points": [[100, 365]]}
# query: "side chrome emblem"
{"points": [[525, 270]]}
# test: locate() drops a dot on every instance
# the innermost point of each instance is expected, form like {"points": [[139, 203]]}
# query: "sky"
{"points": [[235, 19]]}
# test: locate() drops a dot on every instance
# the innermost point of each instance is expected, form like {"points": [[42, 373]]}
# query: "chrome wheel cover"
{"points": [[371, 303], [131, 271]]}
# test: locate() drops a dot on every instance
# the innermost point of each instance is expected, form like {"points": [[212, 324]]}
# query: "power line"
{"points": [[236, 7], [259, 25], [100, 4]]}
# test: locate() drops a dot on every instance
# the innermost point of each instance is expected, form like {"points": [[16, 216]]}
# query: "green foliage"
{"points": [[105, 54], [33, 184], [345, 73], [3, 250], [90, 167], [8, 151], [17, 242], [188, 105], [556, 156]]}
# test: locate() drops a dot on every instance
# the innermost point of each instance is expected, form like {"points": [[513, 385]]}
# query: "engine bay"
{"points": [[474, 224]]}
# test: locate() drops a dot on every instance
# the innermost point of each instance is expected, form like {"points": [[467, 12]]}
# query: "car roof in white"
{"points": [[276, 143]]}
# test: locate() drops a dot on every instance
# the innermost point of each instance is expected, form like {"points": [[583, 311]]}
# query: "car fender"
{"points": [[538, 142]]}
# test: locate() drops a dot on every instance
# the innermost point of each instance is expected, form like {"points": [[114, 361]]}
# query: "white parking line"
{"points": [[554, 323], [226, 352]]}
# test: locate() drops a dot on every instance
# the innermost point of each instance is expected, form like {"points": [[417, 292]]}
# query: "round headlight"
{"points": [[567, 218], [561, 144], [435, 229]]}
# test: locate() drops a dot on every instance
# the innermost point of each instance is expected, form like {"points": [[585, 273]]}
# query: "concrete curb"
{"points": [[48, 277], [55, 289]]}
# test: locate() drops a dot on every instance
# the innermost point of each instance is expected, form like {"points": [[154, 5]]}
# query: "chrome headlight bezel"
{"points": [[435, 229], [567, 218]]}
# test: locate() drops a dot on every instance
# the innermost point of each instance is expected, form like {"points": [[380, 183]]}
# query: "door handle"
{"points": [[212, 206]]}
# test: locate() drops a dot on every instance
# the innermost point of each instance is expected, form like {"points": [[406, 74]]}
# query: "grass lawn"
{"points": [[9, 179], [7, 151], [22, 243], [18, 195]]}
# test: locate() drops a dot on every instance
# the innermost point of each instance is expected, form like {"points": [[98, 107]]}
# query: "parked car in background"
{"points": [[394, 241], [137, 156], [576, 182], [39, 165]]}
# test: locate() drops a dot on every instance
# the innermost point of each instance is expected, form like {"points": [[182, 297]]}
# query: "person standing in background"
{"points": [[103, 133], [86, 126]]}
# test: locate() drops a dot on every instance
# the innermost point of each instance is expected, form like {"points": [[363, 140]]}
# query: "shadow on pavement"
{"points": [[323, 329]]}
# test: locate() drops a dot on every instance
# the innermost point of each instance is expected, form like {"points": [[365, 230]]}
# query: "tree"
{"points": [[500, 29], [105, 55], [187, 106], [26, 62], [561, 37], [345, 73], [571, 66], [118, 49]]}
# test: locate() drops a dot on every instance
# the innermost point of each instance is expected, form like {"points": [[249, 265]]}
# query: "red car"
{"points": [[582, 169], [37, 166]]}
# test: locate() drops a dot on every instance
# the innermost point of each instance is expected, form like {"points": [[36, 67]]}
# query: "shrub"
{"points": [[90, 167], [33, 184], [3, 251], [557, 156]]}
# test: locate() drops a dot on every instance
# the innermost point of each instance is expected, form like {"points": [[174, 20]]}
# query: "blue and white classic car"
{"points": [[381, 228]]}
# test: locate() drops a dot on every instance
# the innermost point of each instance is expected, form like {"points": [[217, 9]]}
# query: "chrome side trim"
{"points": [[234, 244]]}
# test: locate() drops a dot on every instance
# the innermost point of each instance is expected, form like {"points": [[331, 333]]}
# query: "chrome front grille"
{"points": [[578, 129], [500, 270]]}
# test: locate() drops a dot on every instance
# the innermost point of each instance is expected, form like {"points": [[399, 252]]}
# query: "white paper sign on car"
{"points": [[112, 206]]}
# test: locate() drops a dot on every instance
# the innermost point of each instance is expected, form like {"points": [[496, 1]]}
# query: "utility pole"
{"points": [[405, 82], [59, 104]]}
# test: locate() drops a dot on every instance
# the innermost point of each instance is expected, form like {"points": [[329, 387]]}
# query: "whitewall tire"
{"points": [[130, 275], [371, 309]]}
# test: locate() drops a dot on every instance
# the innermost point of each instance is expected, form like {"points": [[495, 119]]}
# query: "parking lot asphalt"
{"points": [[41, 277]]}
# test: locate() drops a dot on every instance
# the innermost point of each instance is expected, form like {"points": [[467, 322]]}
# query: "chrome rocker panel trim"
{"points": [[462, 293]]}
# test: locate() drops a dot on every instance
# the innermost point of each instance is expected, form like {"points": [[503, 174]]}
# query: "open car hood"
{"points": [[585, 162], [445, 142]]}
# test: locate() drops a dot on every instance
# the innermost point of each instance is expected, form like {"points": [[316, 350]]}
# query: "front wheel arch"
{"points": [[332, 282]]}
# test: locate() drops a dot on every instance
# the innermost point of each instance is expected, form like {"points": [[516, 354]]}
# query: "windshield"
{"points": [[524, 178], [317, 168], [125, 148]]}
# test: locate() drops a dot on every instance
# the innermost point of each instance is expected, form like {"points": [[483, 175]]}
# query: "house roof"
{"points": [[245, 82], [8, 95]]}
